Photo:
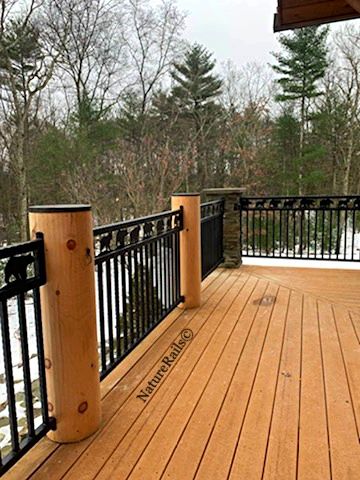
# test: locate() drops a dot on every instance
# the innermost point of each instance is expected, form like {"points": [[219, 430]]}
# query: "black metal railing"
{"points": [[137, 279], [212, 249], [316, 227], [23, 400]]}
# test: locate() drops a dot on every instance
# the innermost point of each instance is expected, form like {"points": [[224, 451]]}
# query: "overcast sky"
{"points": [[240, 30]]}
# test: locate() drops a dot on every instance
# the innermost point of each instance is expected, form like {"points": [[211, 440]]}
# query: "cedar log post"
{"points": [[190, 248], [69, 319], [232, 247]]}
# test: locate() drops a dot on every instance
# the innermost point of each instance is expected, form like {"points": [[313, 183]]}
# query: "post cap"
{"points": [[185, 194], [59, 208], [224, 191]]}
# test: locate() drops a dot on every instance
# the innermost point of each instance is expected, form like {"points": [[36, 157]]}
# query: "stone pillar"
{"points": [[232, 247]]}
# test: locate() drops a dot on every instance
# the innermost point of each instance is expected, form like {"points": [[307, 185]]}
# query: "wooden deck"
{"points": [[267, 388]]}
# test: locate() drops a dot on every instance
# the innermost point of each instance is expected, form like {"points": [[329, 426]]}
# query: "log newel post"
{"points": [[69, 319], [190, 248], [232, 245]]}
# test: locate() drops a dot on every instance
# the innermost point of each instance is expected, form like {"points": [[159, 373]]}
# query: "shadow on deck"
{"points": [[262, 381]]}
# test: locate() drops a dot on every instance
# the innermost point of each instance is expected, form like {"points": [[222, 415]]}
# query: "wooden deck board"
{"points": [[265, 389], [344, 440], [281, 455], [334, 286], [313, 459]]}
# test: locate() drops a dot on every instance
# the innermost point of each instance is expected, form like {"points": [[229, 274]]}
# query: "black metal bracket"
{"points": [[52, 423]]}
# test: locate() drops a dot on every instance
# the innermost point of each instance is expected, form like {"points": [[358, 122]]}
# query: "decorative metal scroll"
{"points": [[112, 238], [301, 227], [296, 202], [211, 209]]}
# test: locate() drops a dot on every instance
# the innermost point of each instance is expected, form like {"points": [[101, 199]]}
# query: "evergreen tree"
{"points": [[196, 85], [300, 67]]}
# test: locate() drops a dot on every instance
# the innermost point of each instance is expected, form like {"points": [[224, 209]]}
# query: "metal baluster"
{"points": [[26, 364], [301, 233], [330, 234], [338, 235], [279, 212], [316, 229], [109, 310], [323, 234], [101, 317], [308, 232], [267, 232], [40, 356], [4, 319], [158, 285], [117, 305], [124, 302], [353, 233], [273, 233], [131, 297], [260, 233], [345, 231], [147, 287], [142, 289], [294, 233]]}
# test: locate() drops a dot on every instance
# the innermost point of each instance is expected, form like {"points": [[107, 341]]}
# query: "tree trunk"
{"points": [[347, 166], [302, 142], [22, 180]]}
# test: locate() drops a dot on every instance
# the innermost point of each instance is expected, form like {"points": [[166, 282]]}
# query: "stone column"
{"points": [[232, 247]]}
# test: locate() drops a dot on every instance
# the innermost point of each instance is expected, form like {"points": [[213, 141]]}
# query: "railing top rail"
{"points": [[20, 248], [136, 221], [212, 209], [15, 278], [299, 197], [213, 202]]}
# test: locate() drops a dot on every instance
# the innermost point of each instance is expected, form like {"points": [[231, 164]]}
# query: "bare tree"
{"points": [[247, 98], [91, 55], [152, 37], [348, 82], [26, 67]]}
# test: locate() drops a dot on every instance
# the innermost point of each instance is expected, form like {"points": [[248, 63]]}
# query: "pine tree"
{"points": [[196, 85], [300, 67], [195, 90]]}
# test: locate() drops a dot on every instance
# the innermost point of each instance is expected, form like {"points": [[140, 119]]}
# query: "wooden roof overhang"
{"points": [[303, 13]]}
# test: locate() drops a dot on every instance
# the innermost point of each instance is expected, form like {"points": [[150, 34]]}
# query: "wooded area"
{"points": [[105, 102]]}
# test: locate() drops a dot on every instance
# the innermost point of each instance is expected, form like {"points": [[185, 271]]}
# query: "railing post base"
{"points": [[232, 245]]}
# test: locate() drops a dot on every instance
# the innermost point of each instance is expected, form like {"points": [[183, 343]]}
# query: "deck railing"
{"points": [[138, 281], [212, 247], [24, 407], [144, 268], [316, 227]]}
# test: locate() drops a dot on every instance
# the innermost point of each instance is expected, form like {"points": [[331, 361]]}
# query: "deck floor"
{"points": [[268, 387]]}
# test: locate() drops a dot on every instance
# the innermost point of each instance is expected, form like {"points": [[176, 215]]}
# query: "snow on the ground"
{"points": [[284, 262]]}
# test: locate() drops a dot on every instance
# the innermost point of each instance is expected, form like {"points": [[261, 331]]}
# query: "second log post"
{"points": [[190, 248], [69, 320]]}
